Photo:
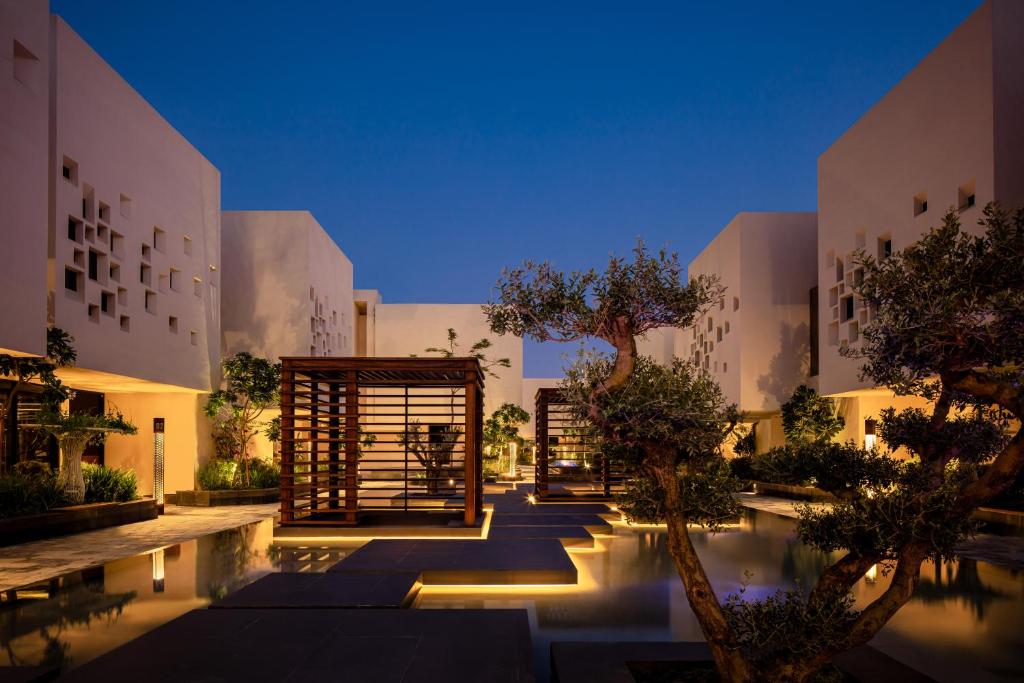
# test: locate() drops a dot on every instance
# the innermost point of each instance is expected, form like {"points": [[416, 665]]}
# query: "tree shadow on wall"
{"points": [[790, 366]]}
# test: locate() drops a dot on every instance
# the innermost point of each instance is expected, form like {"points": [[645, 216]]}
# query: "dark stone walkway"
{"points": [[369, 646], [459, 562], [611, 662], [295, 590]]}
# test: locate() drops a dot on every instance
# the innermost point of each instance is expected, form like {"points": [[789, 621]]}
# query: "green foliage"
{"points": [[264, 474], [500, 430], [545, 304], [217, 475], [109, 485], [30, 489], [808, 417], [975, 436], [880, 521], [745, 443], [222, 475], [642, 501], [477, 350], [251, 386], [679, 406], [86, 428], [789, 625], [25, 370], [950, 302]]}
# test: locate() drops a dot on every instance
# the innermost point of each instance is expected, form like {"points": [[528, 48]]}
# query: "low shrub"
{"points": [[109, 485], [30, 489], [264, 474], [222, 475], [217, 475]]}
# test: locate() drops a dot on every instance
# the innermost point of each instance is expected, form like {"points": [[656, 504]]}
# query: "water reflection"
{"points": [[963, 623]]}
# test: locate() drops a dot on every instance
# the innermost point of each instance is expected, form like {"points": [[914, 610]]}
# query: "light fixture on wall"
{"points": [[158, 571], [869, 434], [158, 462]]}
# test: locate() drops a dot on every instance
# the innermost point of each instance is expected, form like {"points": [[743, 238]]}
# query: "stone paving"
{"points": [[1005, 551], [28, 563]]}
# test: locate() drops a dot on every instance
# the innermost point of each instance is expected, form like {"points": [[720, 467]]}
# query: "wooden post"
{"points": [[540, 468], [351, 446], [333, 447], [472, 456], [287, 443]]}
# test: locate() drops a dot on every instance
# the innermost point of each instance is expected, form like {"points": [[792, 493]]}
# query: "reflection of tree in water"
{"points": [[74, 604], [652, 559], [802, 565], [962, 583], [228, 556]]}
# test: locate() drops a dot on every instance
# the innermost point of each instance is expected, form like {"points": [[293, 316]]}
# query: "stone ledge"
{"points": [[75, 519], [200, 498]]}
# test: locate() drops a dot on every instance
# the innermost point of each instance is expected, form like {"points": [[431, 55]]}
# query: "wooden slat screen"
{"points": [[568, 451], [373, 436]]}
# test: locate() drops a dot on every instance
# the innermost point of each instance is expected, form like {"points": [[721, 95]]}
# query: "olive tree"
{"points": [[670, 422], [947, 325], [434, 447], [74, 432]]}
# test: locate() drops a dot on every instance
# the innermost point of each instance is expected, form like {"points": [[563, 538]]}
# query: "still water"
{"points": [[963, 624]]}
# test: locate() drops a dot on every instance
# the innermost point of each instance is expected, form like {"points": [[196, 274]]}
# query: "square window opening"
{"points": [[126, 324], [920, 203], [965, 196], [26, 64]]}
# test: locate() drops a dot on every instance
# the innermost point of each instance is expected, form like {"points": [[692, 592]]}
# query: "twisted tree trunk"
{"points": [[732, 665], [70, 478]]}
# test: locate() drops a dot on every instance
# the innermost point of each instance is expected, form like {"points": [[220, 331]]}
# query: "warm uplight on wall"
{"points": [[513, 458], [872, 574], [158, 462], [158, 571], [869, 434]]}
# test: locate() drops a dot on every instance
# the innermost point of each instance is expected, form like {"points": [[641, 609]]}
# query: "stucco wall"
{"points": [[24, 112], [146, 200], [404, 329], [755, 341], [287, 286], [186, 441], [929, 136]]}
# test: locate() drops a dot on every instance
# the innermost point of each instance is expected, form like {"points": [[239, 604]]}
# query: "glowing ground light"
{"points": [[451, 482], [531, 499], [872, 574]]}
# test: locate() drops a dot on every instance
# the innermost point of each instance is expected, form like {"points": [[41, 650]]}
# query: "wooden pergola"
{"points": [[568, 452], [368, 440]]}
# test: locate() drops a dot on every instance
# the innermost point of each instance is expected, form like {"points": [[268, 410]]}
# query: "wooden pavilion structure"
{"points": [[568, 453], [370, 440]]}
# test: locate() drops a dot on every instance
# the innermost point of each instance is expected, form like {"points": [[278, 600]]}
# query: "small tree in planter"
{"points": [[251, 386], [26, 370], [434, 447], [502, 429], [74, 432]]}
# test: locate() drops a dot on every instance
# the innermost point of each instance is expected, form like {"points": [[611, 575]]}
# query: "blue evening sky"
{"points": [[439, 142]]}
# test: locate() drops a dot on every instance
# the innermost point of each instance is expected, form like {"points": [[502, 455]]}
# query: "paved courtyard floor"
{"points": [[27, 563]]}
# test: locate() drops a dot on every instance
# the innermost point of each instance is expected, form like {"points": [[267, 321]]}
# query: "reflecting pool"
{"points": [[963, 624]]}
